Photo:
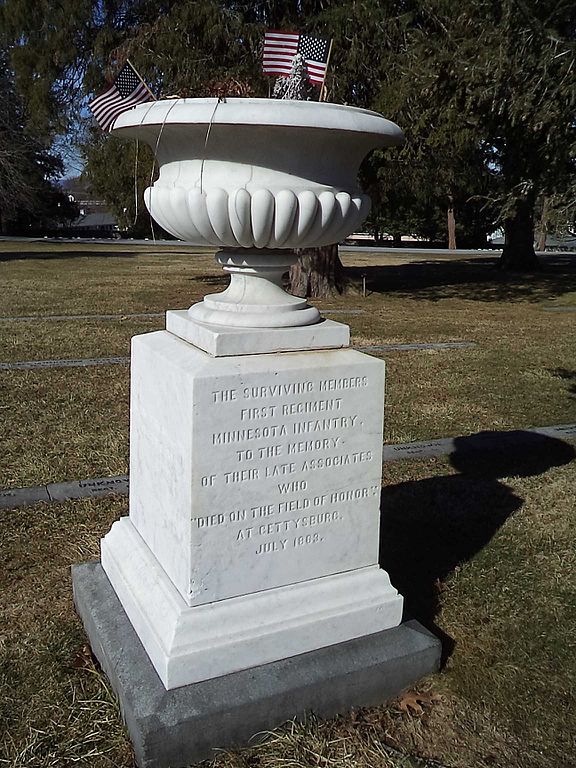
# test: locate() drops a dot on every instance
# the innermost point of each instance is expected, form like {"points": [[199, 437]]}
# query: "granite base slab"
{"points": [[172, 729]]}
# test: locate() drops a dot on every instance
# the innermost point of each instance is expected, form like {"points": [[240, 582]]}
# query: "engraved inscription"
{"points": [[224, 396], [311, 427]]}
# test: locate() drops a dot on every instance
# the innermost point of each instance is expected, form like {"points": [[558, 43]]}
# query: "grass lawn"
{"points": [[483, 549]]}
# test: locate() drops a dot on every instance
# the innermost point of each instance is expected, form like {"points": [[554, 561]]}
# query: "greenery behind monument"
{"points": [[485, 95]]}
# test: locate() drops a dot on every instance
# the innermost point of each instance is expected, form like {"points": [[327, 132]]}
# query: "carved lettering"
{"points": [[255, 433], [265, 412], [275, 435], [324, 425], [264, 510], [278, 390], [269, 451], [305, 446], [241, 475], [294, 505], [336, 461], [209, 521], [224, 396], [272, 546], [311, 406], [295, 523], [310, 538], [295, 485], [354, 494], [280, 469], [352, 382]]}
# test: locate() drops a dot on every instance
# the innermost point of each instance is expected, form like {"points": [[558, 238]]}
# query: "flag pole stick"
{"points": [[141, 80], [323, 89]]}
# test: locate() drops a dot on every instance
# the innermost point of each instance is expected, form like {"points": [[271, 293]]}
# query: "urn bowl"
{"points": [[257, 173]]}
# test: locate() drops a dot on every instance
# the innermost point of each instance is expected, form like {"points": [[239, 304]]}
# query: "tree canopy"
{"points": [[484, 91], [29, 198], [496, 80]]}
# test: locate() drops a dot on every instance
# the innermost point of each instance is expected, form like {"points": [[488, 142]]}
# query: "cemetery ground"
{"points": [[481, 543]]}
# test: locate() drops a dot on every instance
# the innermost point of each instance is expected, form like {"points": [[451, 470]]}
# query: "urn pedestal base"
{"points": [[220, 341], [254, 506], [255, 315], [255, 297], [191, 644]]}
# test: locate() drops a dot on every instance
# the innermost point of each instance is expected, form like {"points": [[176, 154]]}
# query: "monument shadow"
{"points": [[429, 527]]}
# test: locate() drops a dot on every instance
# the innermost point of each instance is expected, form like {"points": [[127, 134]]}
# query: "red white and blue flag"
{"points": [[280, 48], [126, 91]]}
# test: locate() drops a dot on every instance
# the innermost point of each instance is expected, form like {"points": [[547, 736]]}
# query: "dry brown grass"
{"points": [[64, 423], [483, 550], [72, 339], [505, 698], [71, 423], [101, 279], [56, 709]]}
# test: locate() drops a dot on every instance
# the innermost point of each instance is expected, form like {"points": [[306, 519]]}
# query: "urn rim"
{"points": [[273, 113]]}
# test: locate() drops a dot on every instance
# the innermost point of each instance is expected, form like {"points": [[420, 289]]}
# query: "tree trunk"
{"points": [[541, 241], [397, 240], [518, 253], [543, 228], [317, 273], [451, 224]]}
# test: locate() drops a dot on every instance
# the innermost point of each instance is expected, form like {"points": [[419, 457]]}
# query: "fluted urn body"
{"points": [[257, 174]]}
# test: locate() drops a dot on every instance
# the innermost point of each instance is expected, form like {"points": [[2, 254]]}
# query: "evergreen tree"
{"points": [[498, 78], [123, 190], [29, 198]]}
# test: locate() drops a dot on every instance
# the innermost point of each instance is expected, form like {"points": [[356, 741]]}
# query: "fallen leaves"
{"points": [[414, 703], [83, 658]]}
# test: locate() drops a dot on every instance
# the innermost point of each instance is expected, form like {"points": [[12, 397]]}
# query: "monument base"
{"points": [[182, 726], [188, 644]]}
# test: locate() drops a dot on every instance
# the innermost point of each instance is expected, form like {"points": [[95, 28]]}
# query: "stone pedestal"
{"points": [[243, 588], [254, 507]]}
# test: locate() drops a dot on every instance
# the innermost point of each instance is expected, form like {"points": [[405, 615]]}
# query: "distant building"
{"points": [[102, 224], [565, 242], [95, 219]]}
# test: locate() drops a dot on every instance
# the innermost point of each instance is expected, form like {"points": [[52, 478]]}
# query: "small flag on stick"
{"points": [[281, 47], [126, 91]]}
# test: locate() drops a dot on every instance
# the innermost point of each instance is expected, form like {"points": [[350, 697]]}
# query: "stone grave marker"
{"points": [[250, 553]]}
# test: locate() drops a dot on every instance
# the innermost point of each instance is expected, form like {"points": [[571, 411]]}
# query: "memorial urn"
{"points": [[255, 430], [257, 178]]}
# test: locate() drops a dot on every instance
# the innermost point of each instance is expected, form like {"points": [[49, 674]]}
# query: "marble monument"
{"points": [[255, 431]]}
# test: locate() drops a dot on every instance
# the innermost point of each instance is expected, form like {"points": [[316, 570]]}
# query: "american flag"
{"points": [[125, 92], [281, 47]]}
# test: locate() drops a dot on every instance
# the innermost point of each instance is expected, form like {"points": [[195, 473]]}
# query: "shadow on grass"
{"points": [[217, 281], [568, 376], [428, 527], [476, 279], [65, 254]]}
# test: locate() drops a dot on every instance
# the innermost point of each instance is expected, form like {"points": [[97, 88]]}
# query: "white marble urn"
{"points": [[257, 178]]}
